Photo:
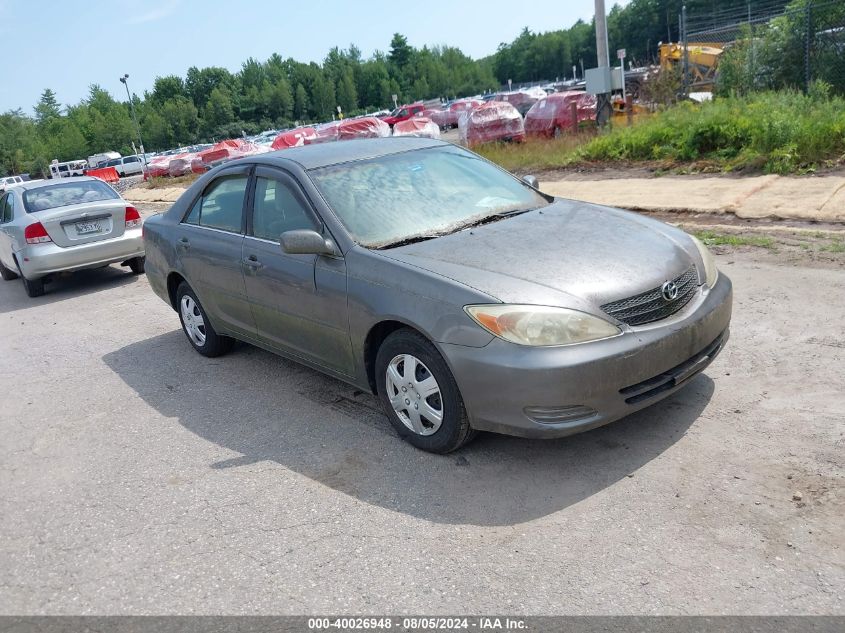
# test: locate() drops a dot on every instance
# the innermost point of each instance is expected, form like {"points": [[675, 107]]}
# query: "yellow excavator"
{"points": [[703, 62]]}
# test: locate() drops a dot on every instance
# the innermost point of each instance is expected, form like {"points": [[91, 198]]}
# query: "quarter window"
{"points": [[221, 206], [277, 209]]}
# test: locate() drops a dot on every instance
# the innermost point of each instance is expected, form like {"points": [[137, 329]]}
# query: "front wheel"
{"points": [[420, 395], [136, 265], [196, 325]]}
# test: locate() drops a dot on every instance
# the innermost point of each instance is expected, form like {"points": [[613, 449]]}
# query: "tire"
{"points": [[454, 430], [136, 265], [6, 274], [199, 331], [34, 288]]}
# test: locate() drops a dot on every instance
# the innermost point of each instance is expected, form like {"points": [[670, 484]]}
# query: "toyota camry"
{"points": [[465, 298]]}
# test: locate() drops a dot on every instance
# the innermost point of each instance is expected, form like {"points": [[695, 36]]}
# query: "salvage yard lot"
{"points": [[138, 477]]}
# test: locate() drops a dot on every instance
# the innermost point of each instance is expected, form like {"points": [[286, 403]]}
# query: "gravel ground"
{"points": [[138, 477]]}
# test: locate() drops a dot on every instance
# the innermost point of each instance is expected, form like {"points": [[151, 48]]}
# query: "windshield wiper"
{"points": [[454, 229], [409, 240], [492, 218]]}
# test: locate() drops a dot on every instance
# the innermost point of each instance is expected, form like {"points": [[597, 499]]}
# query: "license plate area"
{"points": [[88, 228]]}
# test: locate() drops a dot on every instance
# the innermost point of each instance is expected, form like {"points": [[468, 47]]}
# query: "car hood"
{"points": [[569, 253]]}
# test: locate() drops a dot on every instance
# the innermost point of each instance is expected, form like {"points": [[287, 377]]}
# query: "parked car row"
{"points": [[499, 118]]}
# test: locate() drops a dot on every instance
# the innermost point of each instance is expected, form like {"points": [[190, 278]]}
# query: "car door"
{"points": [[132, 165], [298, 301], [209, 244], [6, 217]]}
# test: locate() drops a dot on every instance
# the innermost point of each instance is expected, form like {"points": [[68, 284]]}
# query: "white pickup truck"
{"points": [[127, 165]]}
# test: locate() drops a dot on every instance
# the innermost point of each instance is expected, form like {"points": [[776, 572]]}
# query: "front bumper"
{"points": [[39, 260], [597, 382]]}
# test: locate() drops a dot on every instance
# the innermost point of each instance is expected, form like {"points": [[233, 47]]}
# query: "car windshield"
{"points": [[51, 196], [412, 195]]}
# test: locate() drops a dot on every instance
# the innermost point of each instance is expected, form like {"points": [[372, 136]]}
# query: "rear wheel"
{"points": [[34, 287], [196, 325], [7, 274], [136, 265], [419, 394]]}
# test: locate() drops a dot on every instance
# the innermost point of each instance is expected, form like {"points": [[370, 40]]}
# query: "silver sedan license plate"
{"points": [[83, 228]]}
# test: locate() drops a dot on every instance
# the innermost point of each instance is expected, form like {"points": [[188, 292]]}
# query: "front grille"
{"points": [[671, 378], [651, 305]]}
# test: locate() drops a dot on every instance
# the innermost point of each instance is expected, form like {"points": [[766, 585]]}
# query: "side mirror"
{"points": [[306, 242], [531, 181]]}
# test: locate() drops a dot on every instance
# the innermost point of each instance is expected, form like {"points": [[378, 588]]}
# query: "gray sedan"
{"points": [[465, 298], [50, 227]]}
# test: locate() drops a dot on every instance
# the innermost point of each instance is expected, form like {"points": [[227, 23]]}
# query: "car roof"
{"points": [[325, 154], [27, 186]]}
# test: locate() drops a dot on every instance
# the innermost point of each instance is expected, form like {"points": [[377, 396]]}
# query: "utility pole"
{"points": [[686, 51], [124, 81], [603, 99]]}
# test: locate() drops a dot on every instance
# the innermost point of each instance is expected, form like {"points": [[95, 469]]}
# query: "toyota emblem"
{"points": [[669, 290]]}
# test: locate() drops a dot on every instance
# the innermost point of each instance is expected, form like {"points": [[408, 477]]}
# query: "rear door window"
{"points": [[221, 205]]}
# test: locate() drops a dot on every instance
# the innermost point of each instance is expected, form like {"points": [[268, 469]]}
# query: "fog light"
{"points": [[557, 415]]}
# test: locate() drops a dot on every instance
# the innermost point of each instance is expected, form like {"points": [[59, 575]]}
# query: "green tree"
{"points": [[279, 100], [182, 120], [300, 104], [400, 51], [200, 82], [48, 107], [218, 110], [168, 88], [347, 95], [322, 97]]}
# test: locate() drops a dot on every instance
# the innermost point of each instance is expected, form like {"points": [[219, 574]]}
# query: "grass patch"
{"points": [[711, 238], [535, 154], [835, 246], [776, 132]]}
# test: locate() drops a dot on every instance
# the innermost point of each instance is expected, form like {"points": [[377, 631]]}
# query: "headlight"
{"points": [[712, 273], [540, 325]]}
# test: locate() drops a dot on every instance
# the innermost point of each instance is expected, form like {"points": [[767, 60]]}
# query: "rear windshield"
{"points": [[62, 195]]}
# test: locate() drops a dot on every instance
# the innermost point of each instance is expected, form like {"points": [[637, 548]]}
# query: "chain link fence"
{"points": [[769, 46]]}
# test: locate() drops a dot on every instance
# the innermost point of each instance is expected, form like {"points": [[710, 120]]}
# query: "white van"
{"points": [[69, 168], [98, 160]]}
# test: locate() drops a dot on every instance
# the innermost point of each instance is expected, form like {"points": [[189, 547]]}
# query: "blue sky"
{"points": [[67, 46]]}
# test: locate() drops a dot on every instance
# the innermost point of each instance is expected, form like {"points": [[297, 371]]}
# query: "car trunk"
{"points": [[85, 222]]}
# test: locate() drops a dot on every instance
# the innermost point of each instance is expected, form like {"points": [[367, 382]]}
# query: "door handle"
{"points": [[252, 262]]}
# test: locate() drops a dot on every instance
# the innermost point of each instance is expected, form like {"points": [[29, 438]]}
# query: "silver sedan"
{"points": [[48, 227], [465, 298]]}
